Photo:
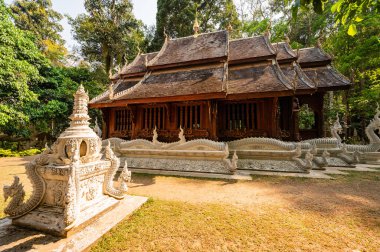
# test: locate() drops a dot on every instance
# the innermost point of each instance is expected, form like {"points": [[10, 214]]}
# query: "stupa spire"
{"points": [[80, 117]]}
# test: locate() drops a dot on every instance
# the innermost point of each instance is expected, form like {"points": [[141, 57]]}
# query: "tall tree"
{"points": [[20, 61], [359, 58], [39, 18], [109, 33], [176, 18]]}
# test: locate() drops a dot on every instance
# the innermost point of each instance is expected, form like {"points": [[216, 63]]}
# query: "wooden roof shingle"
{"points": [[313, 56], [298, 78], [251, 49], [184, 82], [205, 48], [327, 78], [138, 66], [284, 52], [257, 79]]}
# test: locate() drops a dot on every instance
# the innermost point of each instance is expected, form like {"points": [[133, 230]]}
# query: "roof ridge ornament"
{"points": [[319, 40], [146, 60], [110, 74], [196, 25], [166, 35], [230, 29], [111, 92], [138, 49], [268, 29], [287, 39]]}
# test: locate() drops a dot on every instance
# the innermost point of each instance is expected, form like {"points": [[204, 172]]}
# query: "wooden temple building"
{"points": [[220, 89]]}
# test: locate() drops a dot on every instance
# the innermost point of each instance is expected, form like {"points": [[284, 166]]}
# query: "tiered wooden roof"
{"points": [[209, 66], [193, 50], [138, 67], [287, 59], [316, 65], [253, 70], [254, 49]]}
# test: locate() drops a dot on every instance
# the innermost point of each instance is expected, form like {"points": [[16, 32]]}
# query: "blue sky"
{"points": [[144, 10]]}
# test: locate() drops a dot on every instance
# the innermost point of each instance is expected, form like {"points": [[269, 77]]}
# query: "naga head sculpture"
{"points": [[126, 175], [12, 190], [376, 118], [108, 151], [337, 127]]}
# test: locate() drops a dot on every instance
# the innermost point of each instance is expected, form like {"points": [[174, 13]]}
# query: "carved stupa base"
{"points": [[14, 238], [49, 216], [50, 219], [72, 181]]}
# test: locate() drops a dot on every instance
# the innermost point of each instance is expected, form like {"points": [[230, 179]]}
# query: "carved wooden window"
{"points": [[189, 116], [154, 117], [239, 116], [123, 120]]}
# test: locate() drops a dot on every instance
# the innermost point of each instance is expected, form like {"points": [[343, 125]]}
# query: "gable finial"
{"points": [[196, 24], [319, 40], [138, 49], [287, 39], [268, 29], [166, 35], [110, 74], [229, 27]]}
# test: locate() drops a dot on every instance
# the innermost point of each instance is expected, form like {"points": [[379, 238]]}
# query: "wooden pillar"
{"points": [[105, 126], [134, 119], [295, 106], [214, 120], [274, 123], [320, 116], [111, 123]]}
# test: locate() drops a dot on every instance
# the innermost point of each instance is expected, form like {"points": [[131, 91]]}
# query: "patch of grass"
{"points": [[279, 179], [178, 226], [357, 176]]}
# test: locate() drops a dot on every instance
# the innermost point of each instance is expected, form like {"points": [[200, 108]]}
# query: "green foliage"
{"points": [[346, 12], [11, 153], [109, 33], [20, 61], [176, 18], [359, 58], [38, 17], [35, 96], [50, 114], [306, 118]]}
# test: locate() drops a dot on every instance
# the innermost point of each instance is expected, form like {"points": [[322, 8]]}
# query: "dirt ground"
{"points": [[351, 194], [354, 193], [351, 202]]}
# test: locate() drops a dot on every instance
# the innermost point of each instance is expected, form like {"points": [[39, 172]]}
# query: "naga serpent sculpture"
{"points": [[108, 187], [374, 140], [336, 140], [17, 207]]}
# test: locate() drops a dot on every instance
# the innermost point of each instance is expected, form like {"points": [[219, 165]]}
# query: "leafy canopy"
{"points": [[38, 17], [176, 18], [109, 32], [20, 61], [348, 12]]}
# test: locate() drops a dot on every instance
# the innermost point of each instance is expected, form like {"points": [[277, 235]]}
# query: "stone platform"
{"points": [[14, 238]]}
